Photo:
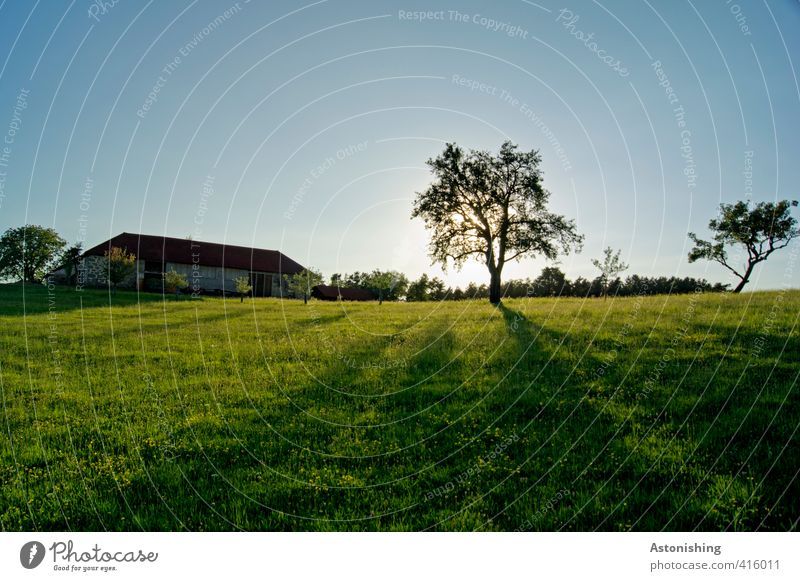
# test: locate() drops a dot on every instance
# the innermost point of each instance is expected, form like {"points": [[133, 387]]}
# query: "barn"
{"points": [[335, 293], [209, 267]]}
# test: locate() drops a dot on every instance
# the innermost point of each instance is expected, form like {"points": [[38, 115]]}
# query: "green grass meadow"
{"points": [[130, 412]]}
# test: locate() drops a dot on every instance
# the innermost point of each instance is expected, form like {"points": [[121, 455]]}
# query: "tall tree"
{"points": [[580, 287], [761, 230], [551, 282], [436, 289], [491, 207], [301, 283], [610, 268], [28, 252], [418, 289]]}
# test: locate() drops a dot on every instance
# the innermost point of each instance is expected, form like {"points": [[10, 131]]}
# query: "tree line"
{"points": [[552, 282]]}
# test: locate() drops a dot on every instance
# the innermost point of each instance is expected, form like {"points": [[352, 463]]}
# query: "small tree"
{"points": [[389, 285], [301, 283], [763, 229], [610, 267], [174, 281], [69, 261], [243, 286], [27, 253], [120, 264]]}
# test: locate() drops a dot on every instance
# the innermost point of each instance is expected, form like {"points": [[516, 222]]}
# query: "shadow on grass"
{"points": [[662, 461], [588, 439], [316, 319], [405, 446], [542, 364], [337, 443], [34, 299]]}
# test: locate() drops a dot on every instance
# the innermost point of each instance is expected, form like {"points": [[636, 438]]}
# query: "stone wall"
{"points": [[93, 272]]}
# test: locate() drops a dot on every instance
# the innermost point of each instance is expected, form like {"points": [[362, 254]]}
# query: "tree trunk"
{"points": [[305, 299], [494, 286], [745, 278], [380, 297], [242, 297]]}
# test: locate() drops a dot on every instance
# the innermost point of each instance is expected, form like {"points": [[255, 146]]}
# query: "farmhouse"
{"points": [[332, 293], [209, 267]]}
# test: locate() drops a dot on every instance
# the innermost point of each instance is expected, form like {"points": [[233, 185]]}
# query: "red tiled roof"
{"points": [[185, 251], [331, 293]]}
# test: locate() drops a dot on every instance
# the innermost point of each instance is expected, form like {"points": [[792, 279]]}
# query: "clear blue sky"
{"points": [[305, 127]]}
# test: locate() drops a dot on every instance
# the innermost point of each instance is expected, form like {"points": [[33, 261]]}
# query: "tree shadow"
{"points": [[587, 433], [658, 439]]}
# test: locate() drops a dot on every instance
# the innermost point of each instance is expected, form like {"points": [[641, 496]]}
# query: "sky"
{"points": [[305, 127]]}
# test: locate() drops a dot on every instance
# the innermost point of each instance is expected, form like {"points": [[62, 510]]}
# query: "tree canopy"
{"points": [[29, 252], [760, 230], [493, 208], [387, 284], [551, 282]]}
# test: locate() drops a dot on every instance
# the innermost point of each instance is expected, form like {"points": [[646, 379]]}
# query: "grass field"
{"points": [[673, 413]]}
